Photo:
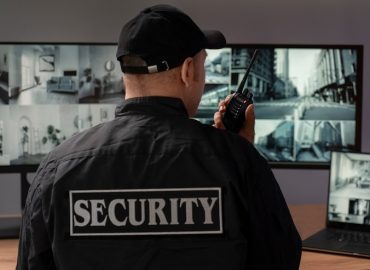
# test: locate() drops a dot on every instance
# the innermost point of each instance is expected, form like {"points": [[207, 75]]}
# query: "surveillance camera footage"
{"points": [[305, 98]]}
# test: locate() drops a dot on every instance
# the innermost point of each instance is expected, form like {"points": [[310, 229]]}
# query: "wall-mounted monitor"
{"points": [[307, 98], [48, 92]]}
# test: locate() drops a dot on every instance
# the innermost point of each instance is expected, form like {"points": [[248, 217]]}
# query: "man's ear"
{"points": [[187, 71]]}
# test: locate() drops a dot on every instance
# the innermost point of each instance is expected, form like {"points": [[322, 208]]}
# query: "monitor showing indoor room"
{"points": [[349, 188], [48, 92]]}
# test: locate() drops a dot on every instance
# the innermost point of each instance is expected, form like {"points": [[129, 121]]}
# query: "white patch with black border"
{"points": [[171, 211]]}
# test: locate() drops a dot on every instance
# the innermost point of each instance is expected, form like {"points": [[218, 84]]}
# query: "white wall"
{"points": [[242, 21]]}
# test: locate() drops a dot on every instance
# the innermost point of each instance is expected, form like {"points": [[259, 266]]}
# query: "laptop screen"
{"points": [[349, 189]]}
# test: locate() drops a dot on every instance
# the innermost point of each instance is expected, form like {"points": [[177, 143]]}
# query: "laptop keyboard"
{"points": [[350, 236]]}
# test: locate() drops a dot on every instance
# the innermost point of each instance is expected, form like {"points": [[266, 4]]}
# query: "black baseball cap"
{"points": [[163, 36]]}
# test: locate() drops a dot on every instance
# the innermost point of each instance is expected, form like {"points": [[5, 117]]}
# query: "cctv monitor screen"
{"points": [[349, 196], [307, 98], [49, 92]]}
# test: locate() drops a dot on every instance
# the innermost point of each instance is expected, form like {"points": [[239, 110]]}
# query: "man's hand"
{"points": [[247, 130]]}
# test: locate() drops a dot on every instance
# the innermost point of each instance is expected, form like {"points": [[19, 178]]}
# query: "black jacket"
{"points": [[174, 170]]}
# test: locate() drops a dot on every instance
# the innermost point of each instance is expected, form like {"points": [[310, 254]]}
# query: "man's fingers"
{"points": [[228, 98], [250, 116], [247, 130], [217, 118], [223, 104]]}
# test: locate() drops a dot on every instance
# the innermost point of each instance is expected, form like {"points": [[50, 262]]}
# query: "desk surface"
{"points": [[308, 219]]}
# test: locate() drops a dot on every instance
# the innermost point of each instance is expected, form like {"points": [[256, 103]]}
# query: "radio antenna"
{"points": [[242, 83]]}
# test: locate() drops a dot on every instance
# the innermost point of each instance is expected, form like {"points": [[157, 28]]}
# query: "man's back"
{"points": [[152, 145]]}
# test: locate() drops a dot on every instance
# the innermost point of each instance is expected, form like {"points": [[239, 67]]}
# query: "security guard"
{"points": [[153, 189]]}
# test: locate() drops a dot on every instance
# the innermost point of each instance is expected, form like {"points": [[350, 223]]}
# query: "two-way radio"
{"points": [[234, 115]]}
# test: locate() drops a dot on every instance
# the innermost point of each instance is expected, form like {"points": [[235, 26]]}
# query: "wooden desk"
{"points": [[308, 219], [8, 254]]}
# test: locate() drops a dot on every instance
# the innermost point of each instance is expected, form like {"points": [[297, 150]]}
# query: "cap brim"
{"points": [[215, 39]]}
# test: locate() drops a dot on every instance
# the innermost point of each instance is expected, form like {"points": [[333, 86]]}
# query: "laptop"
{"points": [[347, 229]]}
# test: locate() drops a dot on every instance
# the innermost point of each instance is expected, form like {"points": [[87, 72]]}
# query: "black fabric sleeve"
{"points": [[34, 250], [274, 240]]}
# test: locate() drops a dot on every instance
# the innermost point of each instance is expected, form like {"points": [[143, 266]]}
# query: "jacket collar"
{"points": [[152, 104]]}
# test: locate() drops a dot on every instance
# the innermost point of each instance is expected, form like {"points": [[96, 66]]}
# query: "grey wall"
{"points": [[242, 21]]}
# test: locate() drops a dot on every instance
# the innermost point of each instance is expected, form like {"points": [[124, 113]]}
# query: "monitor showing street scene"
{"points": [[307, 98]]}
